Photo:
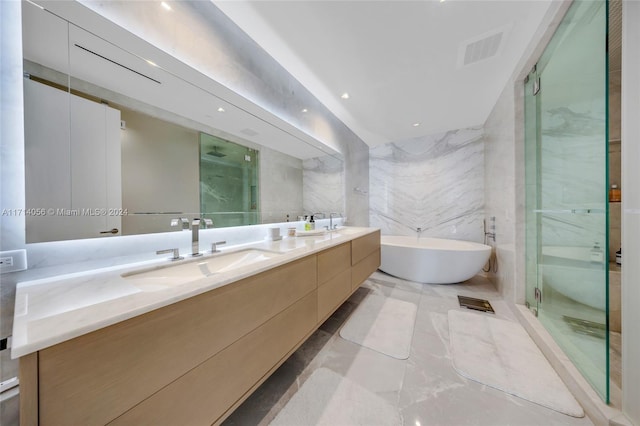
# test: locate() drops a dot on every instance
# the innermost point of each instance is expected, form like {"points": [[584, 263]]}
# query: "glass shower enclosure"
{"points": [[566, 181], [228, 182]]}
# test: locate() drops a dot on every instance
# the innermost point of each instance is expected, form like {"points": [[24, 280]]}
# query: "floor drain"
{"points": [[475, 304]]}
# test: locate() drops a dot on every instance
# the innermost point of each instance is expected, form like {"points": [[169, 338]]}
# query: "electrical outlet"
{"points": [[12, 261]]}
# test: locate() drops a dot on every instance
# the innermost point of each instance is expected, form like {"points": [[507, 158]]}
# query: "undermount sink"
{"points": [[346, 230], [175, 275]]}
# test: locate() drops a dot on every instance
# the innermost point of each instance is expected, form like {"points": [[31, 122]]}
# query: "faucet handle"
{"points": [[183, 222], [175, 251], [208, 223], [214, 246]]}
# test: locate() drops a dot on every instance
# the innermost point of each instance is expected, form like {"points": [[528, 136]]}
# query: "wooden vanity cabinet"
{"points": [[365, 258], [197, 359], [334, 279]]}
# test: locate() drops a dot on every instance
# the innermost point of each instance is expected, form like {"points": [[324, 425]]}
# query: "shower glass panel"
{"points": [[228, 182], [566, 182]]}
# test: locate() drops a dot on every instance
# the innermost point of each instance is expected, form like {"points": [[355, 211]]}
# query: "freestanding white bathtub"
{"points": [[569, 270], [432, 260]]}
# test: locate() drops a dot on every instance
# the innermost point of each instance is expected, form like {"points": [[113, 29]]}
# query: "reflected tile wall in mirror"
{"points": [[280, 186], [323, 185]]}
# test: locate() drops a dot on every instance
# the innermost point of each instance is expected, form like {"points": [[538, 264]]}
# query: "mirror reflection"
{"points": [[228, 182], [115, 145]]}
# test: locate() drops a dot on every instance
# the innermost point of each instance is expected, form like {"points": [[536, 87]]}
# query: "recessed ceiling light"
{"points": [[345, 95], [305, 110], [221, 109], [441, 1], [165, 5], [416, 124]]}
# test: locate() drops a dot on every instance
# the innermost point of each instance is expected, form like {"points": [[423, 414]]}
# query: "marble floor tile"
{"points": [[379, 373], [500, 354], [331, 399], [421, 390]]}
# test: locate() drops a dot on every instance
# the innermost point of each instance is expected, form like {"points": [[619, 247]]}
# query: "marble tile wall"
{"points": [[434, 182], [323, 185], [500, 190], [280, 186], [504, 164], [573, 174]]}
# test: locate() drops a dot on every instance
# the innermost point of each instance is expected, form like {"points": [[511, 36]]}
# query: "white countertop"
{"points": [[53, 310]]}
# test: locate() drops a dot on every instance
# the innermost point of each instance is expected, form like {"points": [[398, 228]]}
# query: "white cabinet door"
{"points": [[95, 167], [73, 180]]}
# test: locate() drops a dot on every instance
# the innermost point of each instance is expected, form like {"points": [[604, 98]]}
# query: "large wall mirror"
{"points": [[115, 144]]}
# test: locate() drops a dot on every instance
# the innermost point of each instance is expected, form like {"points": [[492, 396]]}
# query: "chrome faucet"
{"points": [[182, 222], [331, 225], [214, 246], [195, 229], [174, 251]]}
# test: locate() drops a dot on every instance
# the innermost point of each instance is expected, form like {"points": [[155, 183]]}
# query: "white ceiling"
{"points": [[398, 60]]}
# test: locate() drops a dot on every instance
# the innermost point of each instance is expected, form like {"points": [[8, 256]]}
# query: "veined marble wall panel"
{"points": [[280, 186], [323, 185], [500, 189], [573, 176], [434, 182]]}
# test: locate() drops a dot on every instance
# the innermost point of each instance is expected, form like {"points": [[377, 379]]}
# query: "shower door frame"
{"points": [[534, 198]]}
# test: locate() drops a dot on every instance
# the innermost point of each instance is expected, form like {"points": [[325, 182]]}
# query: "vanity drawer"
{"points": [[333, 293], [333, 261], [363, 269], [95, 378], [205, 393], [364, 246]]}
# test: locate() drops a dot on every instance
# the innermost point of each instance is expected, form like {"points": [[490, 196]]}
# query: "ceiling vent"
{"points": [[480, 48]]}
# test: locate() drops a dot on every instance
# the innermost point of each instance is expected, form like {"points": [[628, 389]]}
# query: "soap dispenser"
{"points": [[307, 224], [312, 223]]}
